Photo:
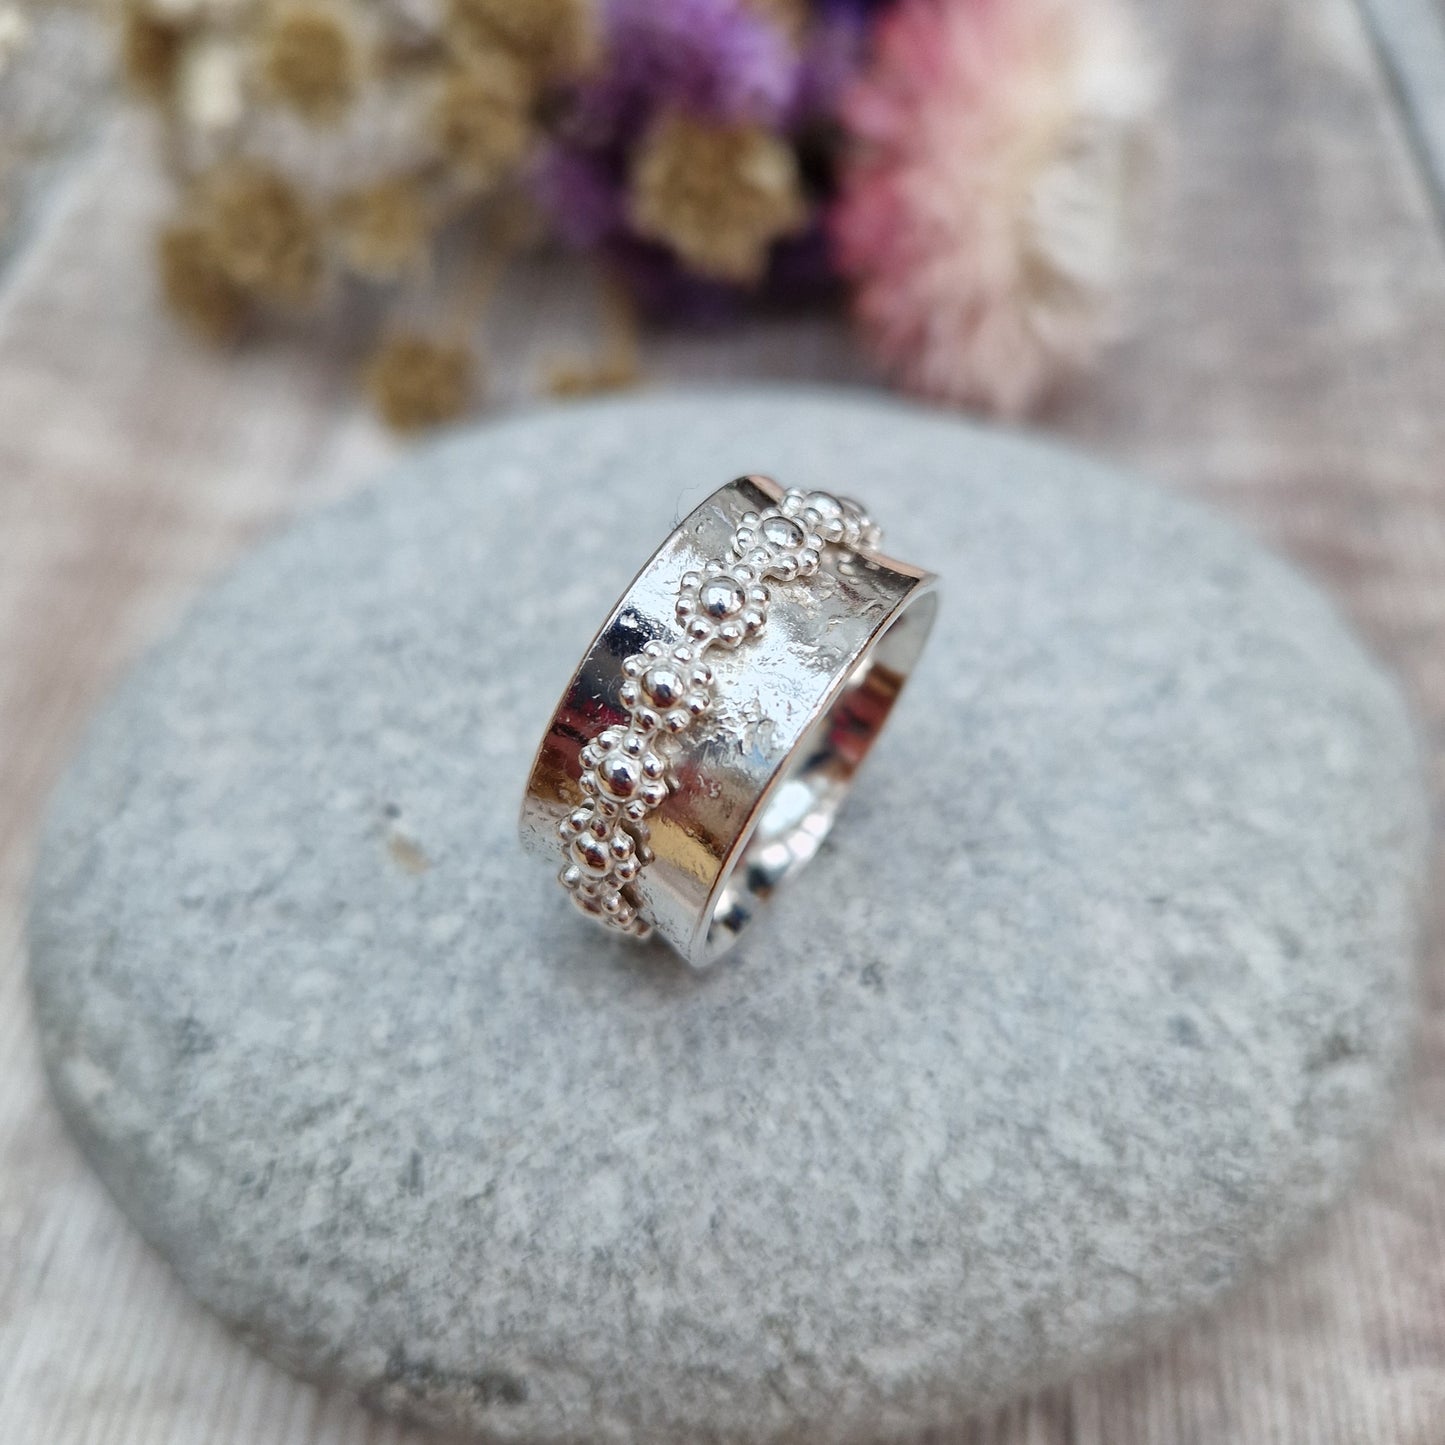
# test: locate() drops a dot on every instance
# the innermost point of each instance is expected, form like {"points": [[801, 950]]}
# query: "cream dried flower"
{"points": [[150, 50], [310, 61], [197, 285], [553, 39], [265, 234], [211, 88], [387, 131], [719, 196], [417, 381], [384, 228], [196, 14], [483, 120]]}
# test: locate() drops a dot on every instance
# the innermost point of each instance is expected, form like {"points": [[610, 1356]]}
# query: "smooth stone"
{"points": [[1088, 1007]]}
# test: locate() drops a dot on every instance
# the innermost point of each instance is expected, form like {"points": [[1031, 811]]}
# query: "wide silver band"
{"points": [[701, 751]]}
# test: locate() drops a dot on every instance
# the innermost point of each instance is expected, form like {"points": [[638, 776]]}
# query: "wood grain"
{"points": [[1290, 367], [50, 89], [1410, 35]]}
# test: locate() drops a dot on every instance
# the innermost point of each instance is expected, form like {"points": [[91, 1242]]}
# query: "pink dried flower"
{"points": [[985, 206]]}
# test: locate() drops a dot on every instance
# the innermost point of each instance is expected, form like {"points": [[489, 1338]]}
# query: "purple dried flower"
{"points": [[664, 290], [716, 59], [802, 269], [582, 193], [832, 54]]}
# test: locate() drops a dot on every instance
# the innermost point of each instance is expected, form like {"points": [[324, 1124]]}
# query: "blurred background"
{"points": [[248, 256]]}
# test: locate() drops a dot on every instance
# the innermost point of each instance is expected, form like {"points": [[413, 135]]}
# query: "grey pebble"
{"points": [[1089, 1005]]}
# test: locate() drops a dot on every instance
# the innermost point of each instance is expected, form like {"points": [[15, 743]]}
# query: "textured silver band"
{"points": [[702, 749]]}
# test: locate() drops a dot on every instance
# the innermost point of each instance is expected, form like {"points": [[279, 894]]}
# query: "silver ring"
{"points": [[701, 751]]}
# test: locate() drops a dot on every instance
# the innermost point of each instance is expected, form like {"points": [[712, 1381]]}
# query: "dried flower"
{"points": [[193, 14], [715, 59], [580, 190], [265, 235], [384, 228], [417, 381], [196, 284], [577, 377], [690, 146], [150, 50], [984, 215], [792, 17], [483, 119], [605, 180], [553, 39], [719, 196], [310, 61], [833, 49], [616, 364], [210, 87]]}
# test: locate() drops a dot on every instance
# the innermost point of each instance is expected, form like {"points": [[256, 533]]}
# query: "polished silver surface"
{"points": [[701, 751]]}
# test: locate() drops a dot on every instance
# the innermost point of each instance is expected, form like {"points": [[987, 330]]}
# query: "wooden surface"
{"points": [[1290, 367], [51, 83]]}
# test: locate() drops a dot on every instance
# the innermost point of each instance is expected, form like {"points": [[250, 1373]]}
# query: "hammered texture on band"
{"points": [[626, 768]]}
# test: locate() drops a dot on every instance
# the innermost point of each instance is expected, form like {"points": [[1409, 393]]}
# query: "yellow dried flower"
{"points": [[719, 196], [417, 381], [150, 51], [576, 377], [483, 119], [616, 364], [310, 61], [384, 228], [552, 38], [196, 284], [265, 235]]}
